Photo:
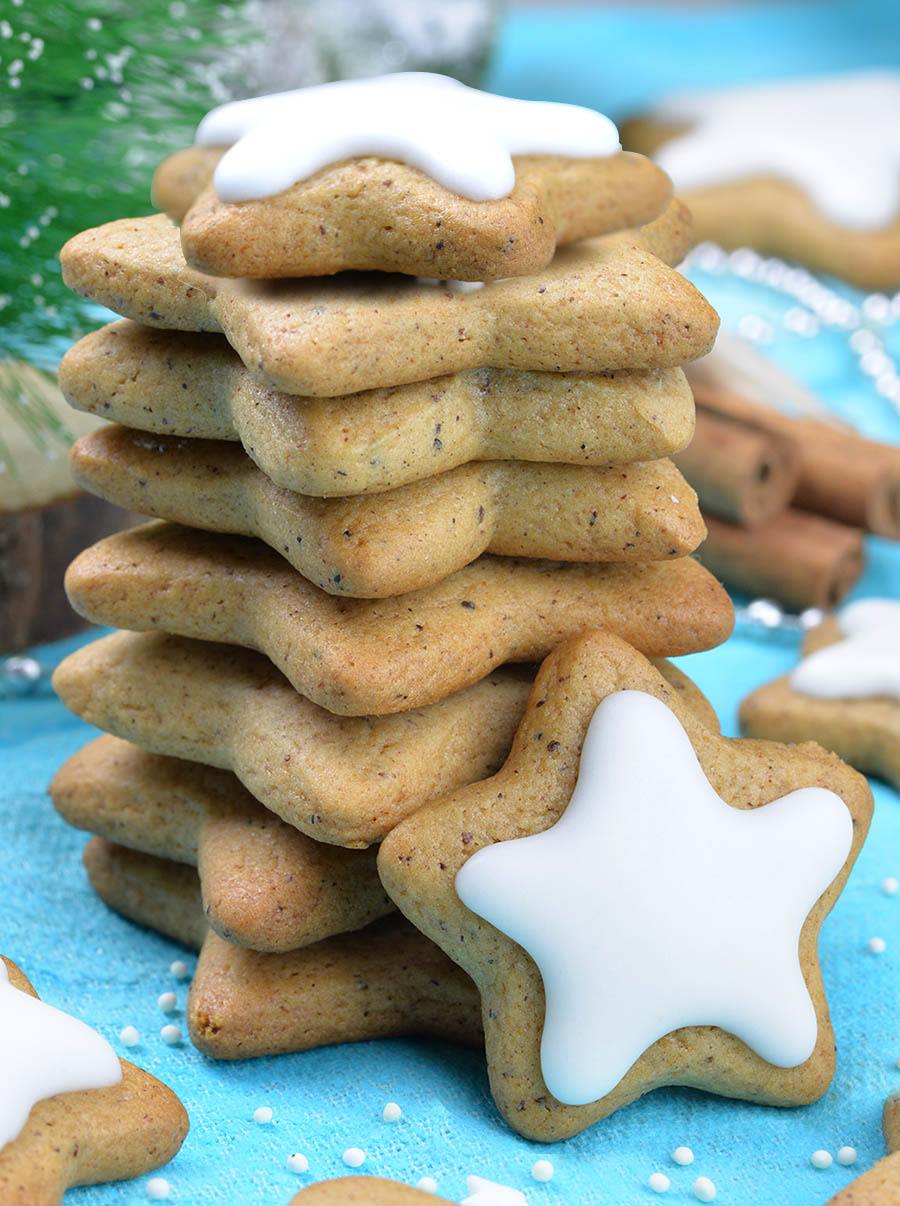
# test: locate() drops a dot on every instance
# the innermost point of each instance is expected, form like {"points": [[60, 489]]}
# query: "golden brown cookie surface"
{"points": [[362, 1191], [420, 859]]}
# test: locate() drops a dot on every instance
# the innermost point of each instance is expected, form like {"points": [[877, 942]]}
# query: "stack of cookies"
{"points": [[400, 402]]}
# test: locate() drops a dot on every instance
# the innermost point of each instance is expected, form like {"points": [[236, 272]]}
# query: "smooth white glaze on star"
{"points": [[490, 1193], [652, 904], [865, 663], [464, 139], [44, 1051], [837, 138]]}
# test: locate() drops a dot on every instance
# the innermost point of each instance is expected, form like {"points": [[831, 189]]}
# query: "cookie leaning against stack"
{"points": [[375, 490]]}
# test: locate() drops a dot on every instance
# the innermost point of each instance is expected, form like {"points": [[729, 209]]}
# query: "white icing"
{"points": [[837, 138], [489, 1193], [44, 1051], [865, 663], [464, 139], [652, 904]]}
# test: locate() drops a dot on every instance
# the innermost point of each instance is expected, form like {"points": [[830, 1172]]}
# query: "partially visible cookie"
{"points": [[880, 1185], [358, 657], [362, 1191], [844, 694], [803, 169], [683, 879], [376, 546], [264, 884], [72, 1113], [426, 177], [380, 982], [176, 383], [604, 304]]}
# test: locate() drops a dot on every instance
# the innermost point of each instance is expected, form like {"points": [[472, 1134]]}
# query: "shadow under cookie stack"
{"points": [[379, 493]]}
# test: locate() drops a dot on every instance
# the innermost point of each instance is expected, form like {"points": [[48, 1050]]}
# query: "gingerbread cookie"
{"points": [[356, 656], [362, 1191], [71, 1112], [803, 169], [345, 781], [844, 694], [405, 173], [175, 383], [603, 304], [681, 894], [406, 539], [383, 981], [880, 1185], [263, 884]]}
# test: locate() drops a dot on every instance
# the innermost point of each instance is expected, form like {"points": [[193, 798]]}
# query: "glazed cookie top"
{"points": [[864, 663], [706, 934], [836, 138], [462, 138], [45, 1052]]}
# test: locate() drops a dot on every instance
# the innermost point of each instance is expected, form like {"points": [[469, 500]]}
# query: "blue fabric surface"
{"points": [[84, 959]]}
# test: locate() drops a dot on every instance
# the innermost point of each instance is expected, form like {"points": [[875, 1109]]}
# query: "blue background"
{"points": [[107, 971]]}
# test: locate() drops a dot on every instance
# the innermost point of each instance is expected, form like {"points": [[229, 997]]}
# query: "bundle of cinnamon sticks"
{"points": [[787, 500]]}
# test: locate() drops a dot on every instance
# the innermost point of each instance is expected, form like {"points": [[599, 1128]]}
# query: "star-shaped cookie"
{"points": [[845, 692], [880, 1185], [641, 983], [54, 1133]]}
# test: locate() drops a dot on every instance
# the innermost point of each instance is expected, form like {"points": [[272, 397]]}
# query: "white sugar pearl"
{"points": [[158, 1189], [683, 1155], [704, 1190], [658, 1182], [890, 886], [392, 1112], [821, 1159], [170, 1034], [427, 1185], [129, 1037], [167, 1001], [876, 946], [542, 1170], [297, 1162], [353, 1157], [846, 1155], [262, 1115], [179, 969]]}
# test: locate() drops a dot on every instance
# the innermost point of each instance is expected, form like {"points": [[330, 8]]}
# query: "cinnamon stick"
{"points": [[800, 559], [840, 474], [740, 472]]}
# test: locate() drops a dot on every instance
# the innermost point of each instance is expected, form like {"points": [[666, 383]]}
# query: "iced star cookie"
{"points": [[379, 982], [804, 169], [412, 173], [683, 880], [844, 694], [175, 383], [358, 657], [602, 305], [263, 884], [342, 781], [406, 539], [880, 1185], [71, 1112]]}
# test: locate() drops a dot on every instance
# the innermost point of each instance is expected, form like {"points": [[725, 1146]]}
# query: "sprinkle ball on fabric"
{"points": [[171, 1034], [658, 1182], [876, 946], [427, 1184], [158, 1189], [167, 1001], [704, 1190], [890, 886], [354, 1157], [542, 1170], [179, 969], [262, 1115], [683, 1156], [846, 1155], [821, 1159], [297, 1162], [129, 1037], [392, 1112]]}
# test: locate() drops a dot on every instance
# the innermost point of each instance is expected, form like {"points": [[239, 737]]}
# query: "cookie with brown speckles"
{"points": [[864, 732], [373, 546], [83, 1138], [420, 859], [176, 383], [345, 781], [383, 981], [604, 304], [880, 1185], [377, 214], [263, 884], [358, 657]]}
